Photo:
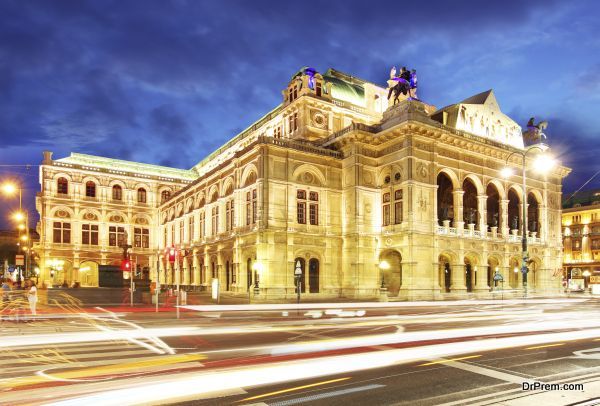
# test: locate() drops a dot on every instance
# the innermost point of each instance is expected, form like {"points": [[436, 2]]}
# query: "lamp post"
{"points": [[543, 163], [298, 278], [256, 267], [10, 189]]}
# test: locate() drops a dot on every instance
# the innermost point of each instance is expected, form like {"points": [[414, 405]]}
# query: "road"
{"points": [[440, 353]]}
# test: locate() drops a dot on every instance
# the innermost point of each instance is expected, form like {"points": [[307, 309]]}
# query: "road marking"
{"points": [[492, 373], [442, 361], [326, 395], [293, 389], [544, 346]]}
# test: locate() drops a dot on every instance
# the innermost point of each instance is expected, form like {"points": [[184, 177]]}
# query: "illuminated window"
{"points": [[62, 186], [181, 228], [313, 208], [398, 206], [251, 207], [90, 189], [62, 233], [89, 234], [229, 216], [141, 238], [386, 209], [215, 220], [301, 206], [117, 192], [116, 236], [141, 195]]}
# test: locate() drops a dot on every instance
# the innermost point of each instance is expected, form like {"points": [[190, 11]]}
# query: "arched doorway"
{"points": [[492, 206], [390, 264], [469, 275], [303, 277], [313, 275], [227, 276], [514, 269], [514, 215], [249, 272], [533, 267], [445, 273], [470, 211], [445, 200], [533, 214]]}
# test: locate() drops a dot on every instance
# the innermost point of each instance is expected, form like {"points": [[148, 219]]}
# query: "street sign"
{"points": [[19, 260]]}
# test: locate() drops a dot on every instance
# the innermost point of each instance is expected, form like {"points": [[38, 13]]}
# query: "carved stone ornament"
{"points": [[307, 177], [397, 176], [368, 208], [422, 171], [62, 214], [388, 242], [141, 220], [319, 120], [116, 218], [368, 178], [90, 216]]}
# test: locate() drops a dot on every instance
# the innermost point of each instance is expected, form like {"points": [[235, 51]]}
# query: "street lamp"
{"points": [[384, 266], [256, 267], [10, 189], [298, 278], [543, 163]]}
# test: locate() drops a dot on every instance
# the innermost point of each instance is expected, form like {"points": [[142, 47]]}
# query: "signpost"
{"points": [[499, 278], [298, 276], [19, 260]]}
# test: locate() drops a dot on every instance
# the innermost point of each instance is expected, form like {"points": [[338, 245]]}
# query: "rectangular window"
{"points": [[596, 244], [301, 206], [301, 209], [116, 236], [89, 234], [215, 220], [318, 89], [314, 214], [277, 132], [398, 207], [254, 206], [227, 216], [202, 225], [386, 209], [251, 207], [191, 229], [295, 121], [61, 233], [141, 238]]}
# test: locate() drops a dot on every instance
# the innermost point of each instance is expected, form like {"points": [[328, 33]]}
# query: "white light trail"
{"points": [[155, 391]]}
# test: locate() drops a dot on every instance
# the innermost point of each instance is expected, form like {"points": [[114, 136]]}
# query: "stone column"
{"points": [[196, 262], [481, 208], [186, 271], [504, 226], [481, 276], [458, 279], [458, 209]]}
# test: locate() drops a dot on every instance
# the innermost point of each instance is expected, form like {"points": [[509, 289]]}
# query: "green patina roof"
{"points": [[345, 87], [128, 166]]}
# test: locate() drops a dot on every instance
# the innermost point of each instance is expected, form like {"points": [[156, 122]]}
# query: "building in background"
{"points": [[581, 234], [358, 194]]}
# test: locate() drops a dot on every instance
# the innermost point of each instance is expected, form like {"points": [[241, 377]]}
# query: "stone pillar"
{"points": [[186, 271], [458, 279], [458, 209], [482, 209], [196, 262], [481, 276], [504, 226]]}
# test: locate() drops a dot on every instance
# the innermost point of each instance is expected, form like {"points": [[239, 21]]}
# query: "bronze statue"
{"points": [[535, 132]]}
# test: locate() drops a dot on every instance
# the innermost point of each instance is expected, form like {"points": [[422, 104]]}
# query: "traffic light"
{"points": [[172, 253], [126, 265]]}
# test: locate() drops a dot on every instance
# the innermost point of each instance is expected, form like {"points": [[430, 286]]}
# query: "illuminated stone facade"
{"points": [[359, 194], [581, 231]]}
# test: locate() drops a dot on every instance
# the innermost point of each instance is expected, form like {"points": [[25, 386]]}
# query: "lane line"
{"points": [[293, 389], [443, 361], [502, 376], [327, 395], [544, 346]]}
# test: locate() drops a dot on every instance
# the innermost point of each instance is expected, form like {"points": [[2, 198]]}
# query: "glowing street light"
{"points": [[9, 188], [542, 164]]}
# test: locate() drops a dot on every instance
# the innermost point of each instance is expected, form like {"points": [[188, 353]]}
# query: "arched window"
{"points": [[164, 196], [117, 192], [62, 186], [90, 189], [141, 195]]}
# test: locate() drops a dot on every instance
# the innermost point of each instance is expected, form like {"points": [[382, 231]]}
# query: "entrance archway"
{"points": [[445, 199], [445, 272], [470, 210], [491, 270], [514, 270], [492, 206], [390, 264], [313, 275]]}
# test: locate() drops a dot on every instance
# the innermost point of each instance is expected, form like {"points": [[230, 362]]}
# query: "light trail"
{"points": [[371, 305], [544, 346], [312, 385], [156, 391]]}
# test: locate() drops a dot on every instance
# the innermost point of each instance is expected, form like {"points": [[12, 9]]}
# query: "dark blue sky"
{"points": [[167, 82]]}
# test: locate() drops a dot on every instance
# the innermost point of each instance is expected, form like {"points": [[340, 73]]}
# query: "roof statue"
{"points": [[535, 132], [404, 83]]}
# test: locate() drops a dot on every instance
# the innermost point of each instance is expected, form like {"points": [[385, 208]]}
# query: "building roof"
{"points": [[128, 166], [582, 199], [346, 87], [481, 98]]}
